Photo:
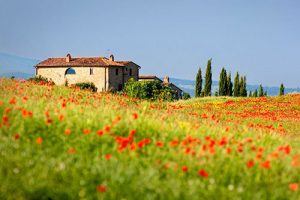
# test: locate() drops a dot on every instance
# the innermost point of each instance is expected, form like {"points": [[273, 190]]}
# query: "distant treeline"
{"points": [[226, 88]]}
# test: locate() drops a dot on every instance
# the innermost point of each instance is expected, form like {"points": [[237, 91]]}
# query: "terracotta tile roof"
{"points": [[148, 77], [79, 61]]}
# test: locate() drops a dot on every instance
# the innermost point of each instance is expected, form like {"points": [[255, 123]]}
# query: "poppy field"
{"points": [[65, 143]]}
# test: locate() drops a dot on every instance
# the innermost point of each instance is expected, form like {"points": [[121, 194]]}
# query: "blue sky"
{"points": [[257, 38]]}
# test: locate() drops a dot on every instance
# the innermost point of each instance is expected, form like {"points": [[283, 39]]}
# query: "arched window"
{"points": [[70, 71]]}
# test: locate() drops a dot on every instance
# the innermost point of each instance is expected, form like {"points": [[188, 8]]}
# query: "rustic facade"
{"points": [[166, 82], [105, 73]]}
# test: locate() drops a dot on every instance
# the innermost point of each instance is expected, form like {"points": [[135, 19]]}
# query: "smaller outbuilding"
{"points": [[166, 82]]}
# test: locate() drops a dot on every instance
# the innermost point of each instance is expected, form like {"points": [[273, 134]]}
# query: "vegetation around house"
{"points": [[151, 90]]}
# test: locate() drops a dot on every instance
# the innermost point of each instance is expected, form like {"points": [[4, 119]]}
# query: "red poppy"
{"points": [[86, 131], [17, 136], [67, 132], [294, 187], [203, 173], [159, 144], [61, 117], [100, 132], [108, 156], [101, 188], [107, 128], [184, 169], [266, 164], [135, 115], [71, 150], [250, 164], [39, 140]]}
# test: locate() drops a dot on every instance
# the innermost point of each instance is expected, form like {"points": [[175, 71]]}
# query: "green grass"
{"points": [[73, 166]]}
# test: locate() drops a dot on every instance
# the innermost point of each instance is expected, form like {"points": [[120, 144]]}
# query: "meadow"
{"points": [[65, 143]]}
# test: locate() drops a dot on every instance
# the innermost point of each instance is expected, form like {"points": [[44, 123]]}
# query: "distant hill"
{"points": [[189, 87], [11, 65]]}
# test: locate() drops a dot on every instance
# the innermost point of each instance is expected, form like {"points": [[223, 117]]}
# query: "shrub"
{"points": [[152, 90], [86, 86], [41, 79], [186, 95]]}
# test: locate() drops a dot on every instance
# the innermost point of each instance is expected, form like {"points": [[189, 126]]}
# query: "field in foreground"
{"points": [[61, 143]]}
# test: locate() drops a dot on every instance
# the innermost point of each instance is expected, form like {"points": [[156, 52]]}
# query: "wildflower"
{"points": [[61, 117], [13, 100], [184, 169], [174, 143], [250, 164], [49, 121], [1, 102], [294, 187], [135, 115], [17, 136], [86, 131], [71, 150], [266, 164], [39, 140], [100, 132], [228, 150], [203, 173], [101, 188], [67, 132], [107, 156], [107, 128], [159, 144]]}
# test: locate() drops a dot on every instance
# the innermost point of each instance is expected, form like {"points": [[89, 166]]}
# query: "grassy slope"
{"points": [[72, 166]]}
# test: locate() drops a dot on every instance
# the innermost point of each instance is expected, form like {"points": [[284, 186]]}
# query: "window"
{"points": [[117, 71], [130, 72], [91, 71], [70, 71]]}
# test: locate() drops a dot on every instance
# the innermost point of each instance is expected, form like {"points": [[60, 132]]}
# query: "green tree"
{"points": [[208, 79], [229, 85], [198, 86], [223, 83], [281, 90], [250, 93], [255, 93], [243, 87], [261, 91], [236, 89], [265, 93]]}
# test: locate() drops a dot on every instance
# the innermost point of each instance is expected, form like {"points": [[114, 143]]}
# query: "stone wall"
{"points": [[116, 81], [57, 75], [135, 72], [99, 77]]}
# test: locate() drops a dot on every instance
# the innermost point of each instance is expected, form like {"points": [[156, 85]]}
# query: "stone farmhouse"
{"points": [[105, 73]]}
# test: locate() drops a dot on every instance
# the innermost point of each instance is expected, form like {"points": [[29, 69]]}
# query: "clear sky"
{"points": [[258, 38]]}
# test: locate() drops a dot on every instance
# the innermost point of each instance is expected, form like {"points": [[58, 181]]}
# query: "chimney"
{"points": [[111, 58], [68, 58], [166, 80]]}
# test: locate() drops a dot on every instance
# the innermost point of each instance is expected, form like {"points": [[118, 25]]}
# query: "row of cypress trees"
{"points": [[226, 87]]}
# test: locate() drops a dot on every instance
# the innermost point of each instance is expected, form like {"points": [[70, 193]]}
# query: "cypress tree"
{"points": [[250, 93], [223, 83], [198, 86], [261, 91], [281, 90], [241, 84], [236, 89], [255, 93], [229, 85], [265, 93], [208, 79], [244, 92]]}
